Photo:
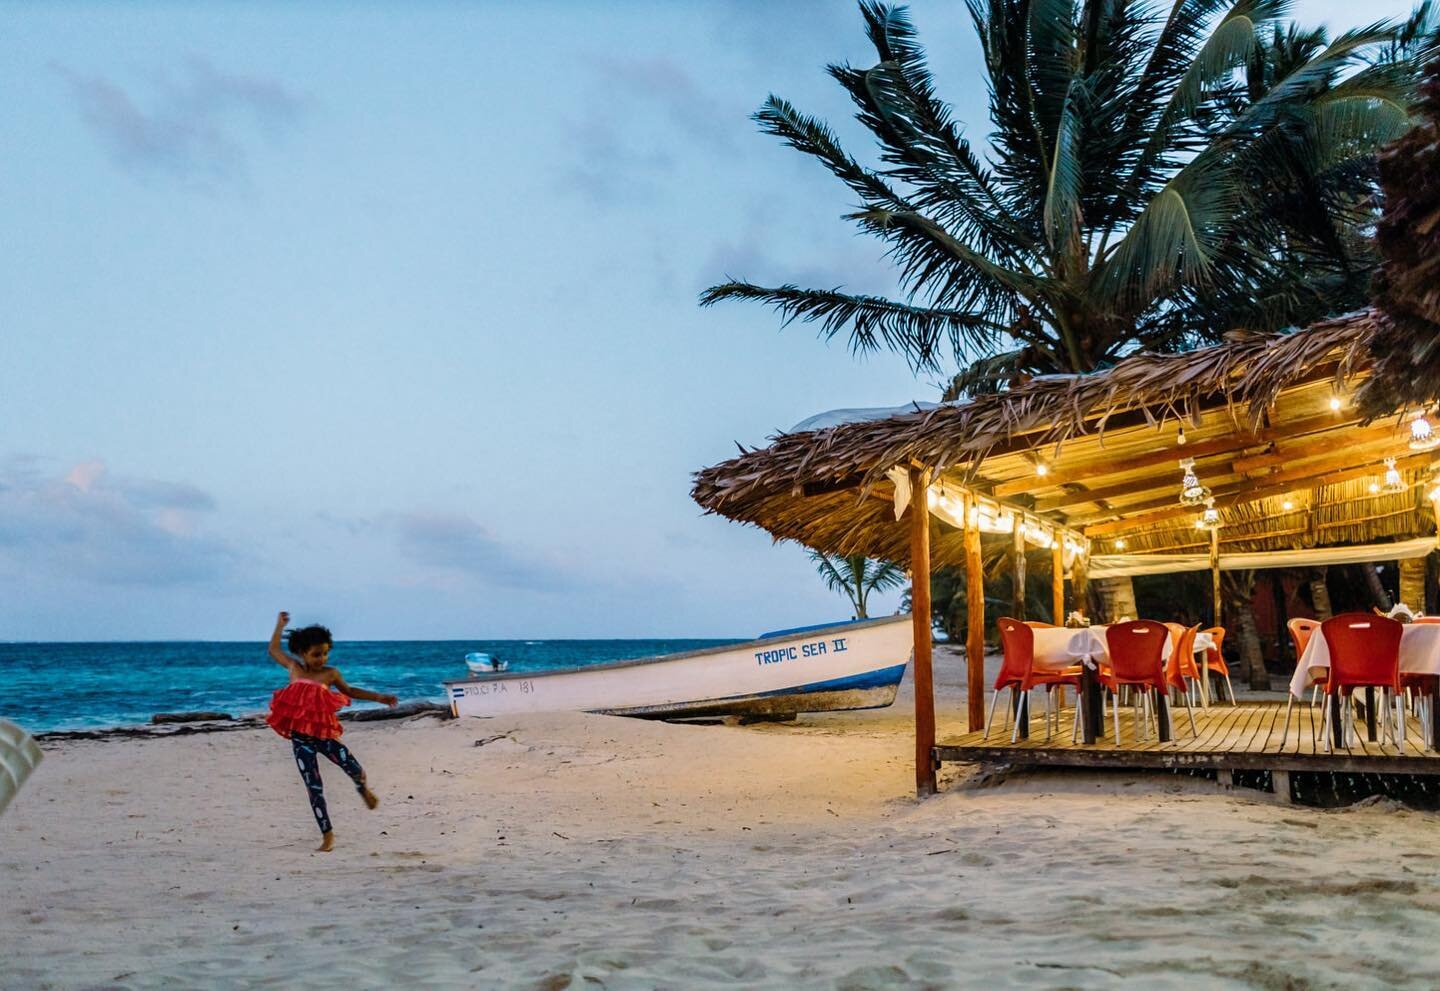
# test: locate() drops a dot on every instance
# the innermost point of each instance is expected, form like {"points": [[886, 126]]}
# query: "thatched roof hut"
{"points": [[1098, 456], [1287, 456]]}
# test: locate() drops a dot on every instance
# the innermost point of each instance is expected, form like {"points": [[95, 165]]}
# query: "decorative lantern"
{"points": [[1393, 482], [1422, 437], [1210, 519], [1192, 493]]}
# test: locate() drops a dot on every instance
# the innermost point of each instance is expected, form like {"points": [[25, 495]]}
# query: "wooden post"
{"points": [[1057, 581], [974, 624], [1018, 595], [1215, 598], [1080, 582], [1215, 573], [920, 618]]}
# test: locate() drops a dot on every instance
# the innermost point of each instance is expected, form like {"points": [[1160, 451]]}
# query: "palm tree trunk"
{"points": [[1118, 598], [1320, 595], [1239, 588], [1412, 583], [1378, 595]]}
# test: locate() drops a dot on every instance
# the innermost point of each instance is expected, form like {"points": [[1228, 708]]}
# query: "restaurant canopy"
{"points": [[1090, 466]]}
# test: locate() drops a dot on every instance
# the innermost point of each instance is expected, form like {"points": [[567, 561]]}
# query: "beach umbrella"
{"points": [[19, 754]]}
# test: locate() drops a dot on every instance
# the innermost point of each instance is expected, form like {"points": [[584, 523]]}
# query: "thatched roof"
{"points": [[1255, 411]]}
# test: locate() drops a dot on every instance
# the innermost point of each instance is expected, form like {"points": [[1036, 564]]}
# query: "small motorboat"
{"points": [[854, 665], [480, 663]]}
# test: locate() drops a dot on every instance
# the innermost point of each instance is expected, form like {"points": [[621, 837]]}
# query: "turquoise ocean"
{"points": [[58, 686]]}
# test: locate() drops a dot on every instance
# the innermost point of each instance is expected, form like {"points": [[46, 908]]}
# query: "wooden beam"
{"points": [[1077, 472], [1150, 513], [974, 626], [1057, 583], [1386, 444], [921, 623]]}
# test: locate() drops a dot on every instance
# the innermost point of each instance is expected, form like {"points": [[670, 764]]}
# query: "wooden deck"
{"points": [[1238, 738]]}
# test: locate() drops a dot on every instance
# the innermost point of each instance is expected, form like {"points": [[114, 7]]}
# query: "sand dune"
{"points": [[575, 851]]}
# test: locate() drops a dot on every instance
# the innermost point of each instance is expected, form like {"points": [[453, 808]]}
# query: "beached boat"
{"points": [[855, 665]]}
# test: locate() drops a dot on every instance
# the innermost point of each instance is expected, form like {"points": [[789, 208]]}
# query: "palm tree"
{"points": [[856, 576], [1154, 178]]}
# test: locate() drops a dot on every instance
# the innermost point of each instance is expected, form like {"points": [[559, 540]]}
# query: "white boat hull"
{"points": [[844, 666]]}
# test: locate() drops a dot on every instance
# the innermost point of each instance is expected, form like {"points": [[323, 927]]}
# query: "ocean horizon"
{"points": [[83, 685]]}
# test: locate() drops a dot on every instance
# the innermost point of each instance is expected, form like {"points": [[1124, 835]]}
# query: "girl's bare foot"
{"points": [[370, 800], [327, 842]]}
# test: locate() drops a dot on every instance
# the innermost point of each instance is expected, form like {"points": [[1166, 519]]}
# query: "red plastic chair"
{"points": [[1301, 630], [1364, 653], [1181, 671], [1018, 673], [1136, 650], [1215, 659]]}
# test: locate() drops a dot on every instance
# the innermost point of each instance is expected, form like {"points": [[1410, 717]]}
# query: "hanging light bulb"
{"points": [[1210, 519], [1119, 543], [1374, 488], [1192, 493], [1393, 482], [1335, 404], [1287, 505], [1042, 469], [1422, 437], [1180, 437]]}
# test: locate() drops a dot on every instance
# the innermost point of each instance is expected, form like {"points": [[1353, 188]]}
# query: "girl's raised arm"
{"points": [[276, 651], [360, 693]]}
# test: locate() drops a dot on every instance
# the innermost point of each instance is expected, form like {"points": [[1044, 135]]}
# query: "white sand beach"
{"points": [[575, 851]]}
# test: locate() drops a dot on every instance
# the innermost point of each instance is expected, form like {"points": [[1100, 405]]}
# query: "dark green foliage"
{"points": [[1156, 178]]}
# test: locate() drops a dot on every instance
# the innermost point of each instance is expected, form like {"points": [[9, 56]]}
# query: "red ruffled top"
{"points": [[306, 707]]}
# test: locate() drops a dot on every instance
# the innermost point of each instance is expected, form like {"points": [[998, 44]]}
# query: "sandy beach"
{"points": [[576, 851]]}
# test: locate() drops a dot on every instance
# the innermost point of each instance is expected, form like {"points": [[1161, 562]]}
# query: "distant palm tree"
{"points": [[1154, 178], [856, 576]]}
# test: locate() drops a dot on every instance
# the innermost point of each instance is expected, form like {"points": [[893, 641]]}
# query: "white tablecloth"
{"points": [[1058, 648], [1419, 654]]}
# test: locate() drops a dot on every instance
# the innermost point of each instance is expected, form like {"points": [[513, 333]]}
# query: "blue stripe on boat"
{"points": [[869, 679]]}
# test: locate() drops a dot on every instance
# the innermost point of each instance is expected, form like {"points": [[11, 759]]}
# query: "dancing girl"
{"points": [[304, 712]]}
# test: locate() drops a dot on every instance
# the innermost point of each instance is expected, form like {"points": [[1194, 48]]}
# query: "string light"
{"points": [[1393, 482], [1422, 437], [1192, 493]]}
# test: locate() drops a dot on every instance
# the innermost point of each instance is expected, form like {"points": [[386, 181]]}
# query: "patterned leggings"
{"points": [[306, 747]]}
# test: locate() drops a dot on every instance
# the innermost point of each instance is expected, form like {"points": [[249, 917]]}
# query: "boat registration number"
{"points": [[522, 685]]}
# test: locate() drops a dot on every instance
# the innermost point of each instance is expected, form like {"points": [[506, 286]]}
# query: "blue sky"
{"points": [[386, 314]]}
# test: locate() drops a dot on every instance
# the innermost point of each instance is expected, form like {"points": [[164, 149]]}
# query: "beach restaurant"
{"points": [[1250, 454]]}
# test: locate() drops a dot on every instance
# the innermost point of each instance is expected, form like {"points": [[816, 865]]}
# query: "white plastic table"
{"points": [[1419, 654]]}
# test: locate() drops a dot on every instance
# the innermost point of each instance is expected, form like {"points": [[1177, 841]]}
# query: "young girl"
{"points": [[304, 713]]}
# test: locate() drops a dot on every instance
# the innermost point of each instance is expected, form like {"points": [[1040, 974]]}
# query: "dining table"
{"points": [[1058, 648], [1419, 655]]}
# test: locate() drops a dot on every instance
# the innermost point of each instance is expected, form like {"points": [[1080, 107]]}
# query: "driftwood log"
{"points": [[190, 717]]}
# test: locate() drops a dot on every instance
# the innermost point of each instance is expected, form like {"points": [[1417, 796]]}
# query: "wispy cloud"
{"points": [[638, 110], [196, 126], [460, 547], [82, 522]]}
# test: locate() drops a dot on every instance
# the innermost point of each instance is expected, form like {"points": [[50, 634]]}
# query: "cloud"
{"points": [[635, 110], [195, 127], [85, 523], [459, 547]]}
